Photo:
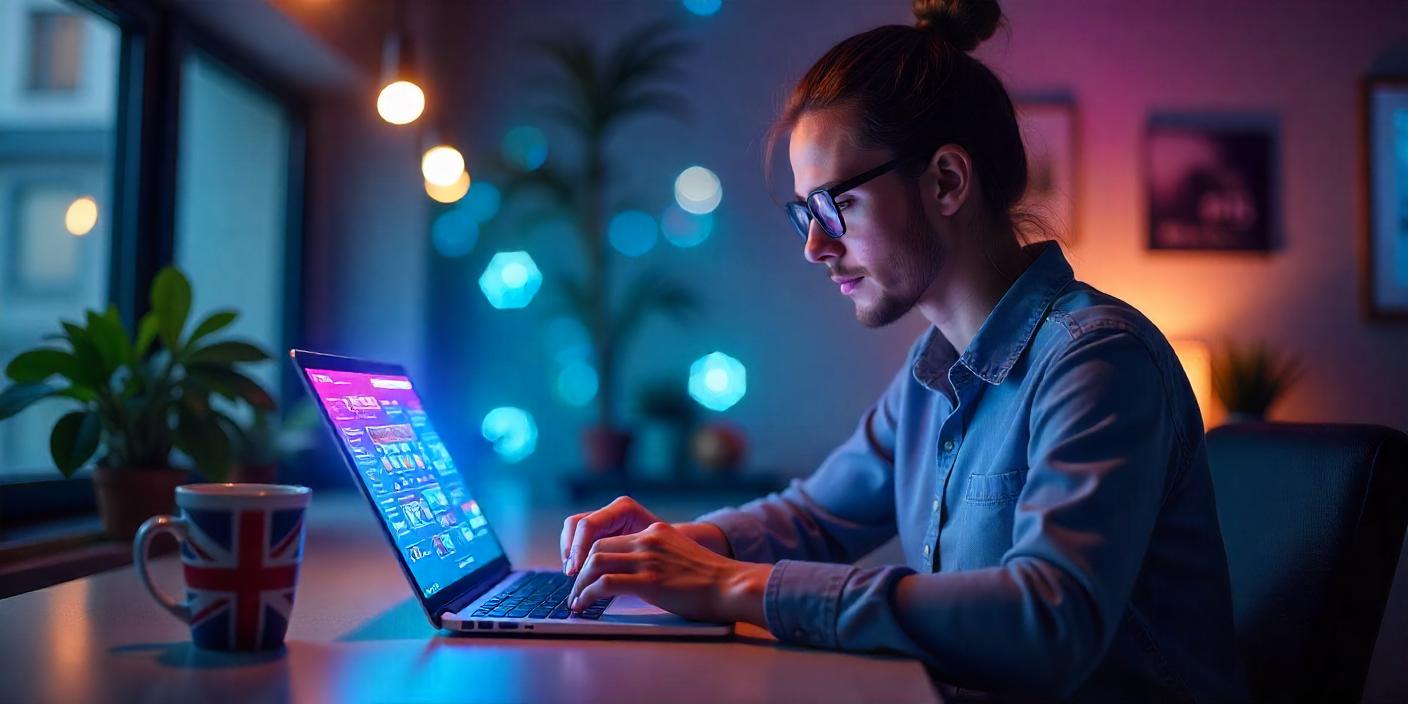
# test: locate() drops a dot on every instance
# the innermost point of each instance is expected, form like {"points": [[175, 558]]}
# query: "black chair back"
{"points": [[1313, 518]]}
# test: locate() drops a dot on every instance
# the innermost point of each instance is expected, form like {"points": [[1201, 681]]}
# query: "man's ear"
{"points": [[949, 178]]}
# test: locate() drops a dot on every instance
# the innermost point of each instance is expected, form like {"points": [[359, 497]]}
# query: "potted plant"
{"points": [[1249, 379], [593, 94], [666, 404], [138, 397]]}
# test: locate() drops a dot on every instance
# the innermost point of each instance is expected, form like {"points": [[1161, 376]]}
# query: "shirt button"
{"points": [[936, 504], [948, 446], [926, 549]]}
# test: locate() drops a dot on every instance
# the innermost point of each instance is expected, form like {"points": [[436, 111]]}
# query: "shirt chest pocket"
{"points": [[999, 488]]}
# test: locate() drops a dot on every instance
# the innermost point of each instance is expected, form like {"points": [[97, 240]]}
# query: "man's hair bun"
{"points": [[963, 23]]}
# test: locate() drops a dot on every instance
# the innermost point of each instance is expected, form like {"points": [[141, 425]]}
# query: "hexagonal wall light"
{"points": [[717, 381], [511, 280]]}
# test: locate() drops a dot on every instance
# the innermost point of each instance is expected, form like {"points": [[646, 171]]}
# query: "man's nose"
{"points": [[821, 246]]}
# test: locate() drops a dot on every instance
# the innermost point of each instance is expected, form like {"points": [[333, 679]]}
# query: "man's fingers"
{"points": [[611, 585], [569, 527], [602, 563], [596, 525]]}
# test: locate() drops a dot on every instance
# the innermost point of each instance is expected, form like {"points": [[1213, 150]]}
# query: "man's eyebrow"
{"points": [[825, 186]]}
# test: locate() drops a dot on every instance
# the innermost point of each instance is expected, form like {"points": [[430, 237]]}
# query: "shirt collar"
{"points": [[1009, 327]]}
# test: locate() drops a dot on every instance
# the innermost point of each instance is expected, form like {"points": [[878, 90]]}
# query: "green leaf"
{"points": [[200, 436], [74, 440], [232, 385], [81, 394], [146, 333], [171, 301], [213, 323], [18, 397], [90, 369], [42, 363], [228, 352], [110, 339]]}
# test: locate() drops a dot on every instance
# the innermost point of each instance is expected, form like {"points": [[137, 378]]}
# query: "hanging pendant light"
{"points": [[401, 100]]}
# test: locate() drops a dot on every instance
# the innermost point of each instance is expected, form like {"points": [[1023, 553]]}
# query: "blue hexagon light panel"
{"points": [[511, 280], [513, 432], [717, 381]]}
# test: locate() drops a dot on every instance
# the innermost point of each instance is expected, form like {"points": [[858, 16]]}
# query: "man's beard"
{"points": [[912, 267]]}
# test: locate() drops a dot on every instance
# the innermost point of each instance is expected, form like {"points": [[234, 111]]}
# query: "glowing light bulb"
{"points": [[698, 190], [81, 216], [442, 165], [400, 103], [450, 193]]}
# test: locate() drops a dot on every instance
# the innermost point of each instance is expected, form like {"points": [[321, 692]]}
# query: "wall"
{"points": [[811, 368]]}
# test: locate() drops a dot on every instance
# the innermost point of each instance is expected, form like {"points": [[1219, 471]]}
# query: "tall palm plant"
{"points": [[593, 94]]}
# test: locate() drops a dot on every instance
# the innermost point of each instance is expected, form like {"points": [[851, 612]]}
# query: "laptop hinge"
{"points": [[468, 597]]}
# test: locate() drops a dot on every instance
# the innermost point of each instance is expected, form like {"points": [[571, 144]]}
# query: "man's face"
{"points": [[889, 255]]}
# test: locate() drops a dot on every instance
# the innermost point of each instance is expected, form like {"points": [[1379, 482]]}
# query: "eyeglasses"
{"points": [[821, 204]]}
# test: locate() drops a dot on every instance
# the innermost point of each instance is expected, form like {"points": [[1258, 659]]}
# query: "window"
{"points": [[232, 196], [55, 51], [58, 97]]}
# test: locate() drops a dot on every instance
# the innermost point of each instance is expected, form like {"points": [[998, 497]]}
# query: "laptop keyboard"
{"points": [[538, 595]]}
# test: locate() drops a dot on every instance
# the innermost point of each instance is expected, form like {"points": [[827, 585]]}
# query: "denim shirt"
{"points": [[1050, 490]]}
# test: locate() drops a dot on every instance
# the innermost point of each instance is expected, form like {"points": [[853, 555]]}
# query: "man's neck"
{"points": [[964, 294]]}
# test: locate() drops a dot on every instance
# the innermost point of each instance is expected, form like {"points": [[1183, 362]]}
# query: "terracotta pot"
{"points": [[719, 448], [262, 473], [126, 497], [605, 449]]}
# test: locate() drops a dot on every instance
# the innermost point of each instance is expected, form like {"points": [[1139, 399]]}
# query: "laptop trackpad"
{"points": [[636, 610]]}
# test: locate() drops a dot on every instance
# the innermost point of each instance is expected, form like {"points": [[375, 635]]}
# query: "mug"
{"points": [[241, 545]]}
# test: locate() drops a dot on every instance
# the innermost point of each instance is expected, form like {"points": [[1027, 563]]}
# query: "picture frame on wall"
{"points": [[1384, 253], [1048, 128], [1211, 183]]}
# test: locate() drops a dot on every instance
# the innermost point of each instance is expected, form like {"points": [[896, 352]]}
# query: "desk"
{"points": [[357, 635]]}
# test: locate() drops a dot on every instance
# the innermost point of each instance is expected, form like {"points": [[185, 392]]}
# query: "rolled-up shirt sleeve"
{"points": [[845, 509], [1103, 444]]}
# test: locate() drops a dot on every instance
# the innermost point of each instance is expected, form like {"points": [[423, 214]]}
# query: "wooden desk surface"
{"points": [[357, 635]]}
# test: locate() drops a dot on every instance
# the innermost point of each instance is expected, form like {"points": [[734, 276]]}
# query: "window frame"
{"points": [[154, 42]]}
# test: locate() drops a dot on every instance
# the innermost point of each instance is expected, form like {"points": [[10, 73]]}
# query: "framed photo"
{"points": [[1210, 183], [1048, 129], [1385, 249]]}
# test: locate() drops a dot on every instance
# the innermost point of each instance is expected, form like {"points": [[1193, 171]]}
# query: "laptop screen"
{"points": [[405, 468]]}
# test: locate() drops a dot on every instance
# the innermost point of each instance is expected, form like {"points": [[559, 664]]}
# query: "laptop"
{"points": [[440, 534]]}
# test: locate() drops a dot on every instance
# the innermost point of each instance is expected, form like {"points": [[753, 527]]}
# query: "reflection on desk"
{"points": [[358, 635]]}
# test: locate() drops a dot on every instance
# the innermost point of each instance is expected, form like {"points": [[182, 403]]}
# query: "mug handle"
{"points": [[151, 528]]}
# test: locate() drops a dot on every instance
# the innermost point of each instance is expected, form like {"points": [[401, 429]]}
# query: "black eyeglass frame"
{"points": [[802, 212]]}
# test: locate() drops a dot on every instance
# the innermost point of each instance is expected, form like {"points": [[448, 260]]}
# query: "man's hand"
{"points": [[664, 566], [620, 517]]}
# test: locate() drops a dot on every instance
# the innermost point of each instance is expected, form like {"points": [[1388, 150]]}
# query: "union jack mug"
{"points": [[241, 545]]}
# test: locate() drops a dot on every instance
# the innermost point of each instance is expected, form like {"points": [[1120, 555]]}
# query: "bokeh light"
{"points": [[81, 216], [513, 432], [685, 229], [511, 280], [632, 232], [454, 233], [450, 193], [525, 147], [703, 8], [442, 165], [400, 103], [698, 190], [717, 381], [577, 383], [483, 201]]}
